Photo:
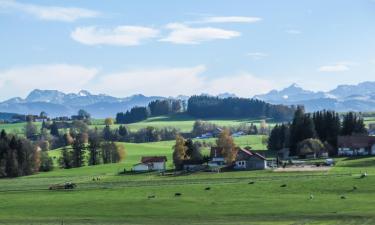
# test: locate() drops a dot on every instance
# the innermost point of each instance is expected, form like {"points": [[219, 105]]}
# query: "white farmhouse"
{"points": [[151, 163]]}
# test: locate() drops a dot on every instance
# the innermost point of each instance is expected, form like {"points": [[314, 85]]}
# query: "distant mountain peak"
{"points": [[84, 93]]}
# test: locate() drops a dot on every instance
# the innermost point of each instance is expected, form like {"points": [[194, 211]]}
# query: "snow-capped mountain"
{"points": [[359, 97], [57, 103]]}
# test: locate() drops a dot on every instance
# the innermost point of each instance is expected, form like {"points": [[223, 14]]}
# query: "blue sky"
{"points": [[170, 47]]}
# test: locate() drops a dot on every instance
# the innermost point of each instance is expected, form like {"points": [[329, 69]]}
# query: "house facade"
{"points": [[151, 163], [249, 160], [356, 145]]}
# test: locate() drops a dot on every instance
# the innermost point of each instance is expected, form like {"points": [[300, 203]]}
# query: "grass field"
{"points": [[135, 151], [180, 121], [123, 199]]}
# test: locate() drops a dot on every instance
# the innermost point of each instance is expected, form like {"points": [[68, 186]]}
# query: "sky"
{"points": [[170, 48]]}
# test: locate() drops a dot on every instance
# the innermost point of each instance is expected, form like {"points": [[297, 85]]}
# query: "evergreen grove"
{"points": [[325, 126]]}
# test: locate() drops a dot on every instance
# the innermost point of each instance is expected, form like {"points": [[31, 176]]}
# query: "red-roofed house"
{"points": [[249, 160], [151, 163]]}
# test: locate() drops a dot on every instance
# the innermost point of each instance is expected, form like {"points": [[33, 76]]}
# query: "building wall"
{"points": [[140, 167], [158, 166], [252, 163]]}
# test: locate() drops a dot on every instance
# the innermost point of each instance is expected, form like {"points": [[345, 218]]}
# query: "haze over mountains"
{"points": [[359, 97]]}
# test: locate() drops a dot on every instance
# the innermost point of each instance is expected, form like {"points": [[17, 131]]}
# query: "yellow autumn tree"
{"points": [[179, 152], [226, 143]]}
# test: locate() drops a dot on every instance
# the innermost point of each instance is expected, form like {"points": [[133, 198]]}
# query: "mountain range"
{"points": [[57, 103], [358, 98]]}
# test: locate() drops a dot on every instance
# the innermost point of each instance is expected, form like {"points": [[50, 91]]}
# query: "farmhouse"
{"points": [[248, 160], [151, 163], [356, 145]]}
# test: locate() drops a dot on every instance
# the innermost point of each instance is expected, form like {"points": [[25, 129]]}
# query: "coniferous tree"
{"points": [[78, 150]]}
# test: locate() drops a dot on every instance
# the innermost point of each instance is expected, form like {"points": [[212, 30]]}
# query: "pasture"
{"points": [[136, 150], [182, 122], [125, 199]]}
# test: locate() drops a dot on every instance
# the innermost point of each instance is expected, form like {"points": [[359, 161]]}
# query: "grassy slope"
{"points": [[122, 199], [179, 121], [135, 151]]}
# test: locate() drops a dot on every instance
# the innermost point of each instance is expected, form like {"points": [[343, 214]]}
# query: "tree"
{"points": [[226, 143], [123, 131], [302, 128], [193, 151], [108, 121], [54, 129], [31, 131], [46, 162], [66, 158], [94, 149], [112, 153], [107, 133], [179, 152], [327, 125], [83, 115], [353, 124], [78, 150], [310, 146]]}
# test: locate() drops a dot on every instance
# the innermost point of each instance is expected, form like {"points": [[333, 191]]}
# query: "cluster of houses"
{"points": [[246, 159], [356, 145]]}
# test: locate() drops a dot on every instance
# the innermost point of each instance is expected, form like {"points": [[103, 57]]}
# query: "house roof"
{"points": [[250, 153], [355, 141], [151, 159]]}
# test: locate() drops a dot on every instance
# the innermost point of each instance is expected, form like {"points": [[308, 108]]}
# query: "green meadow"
{"points": [[106, 196], [124, 199]]}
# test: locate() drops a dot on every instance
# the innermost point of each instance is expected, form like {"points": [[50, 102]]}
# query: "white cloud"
{"points": [[337, 67], [230, 19], [168, 81], [120, 35], [65, 14], [257, 55], [158, 81], [64, 77], [183, 34], [293, 31], [174, 81]]}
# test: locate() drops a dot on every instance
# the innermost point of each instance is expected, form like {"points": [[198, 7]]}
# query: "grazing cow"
{"points": [[207, 188], [284, 185], [251, 182], [343, 197], [355, 188], [177, 194], [151, 196]]}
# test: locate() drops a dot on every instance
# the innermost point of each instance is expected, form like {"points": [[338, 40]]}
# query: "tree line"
{"points": [[210, 107], [324, 126], [73, 154], [154, 108], [20, 157]]}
